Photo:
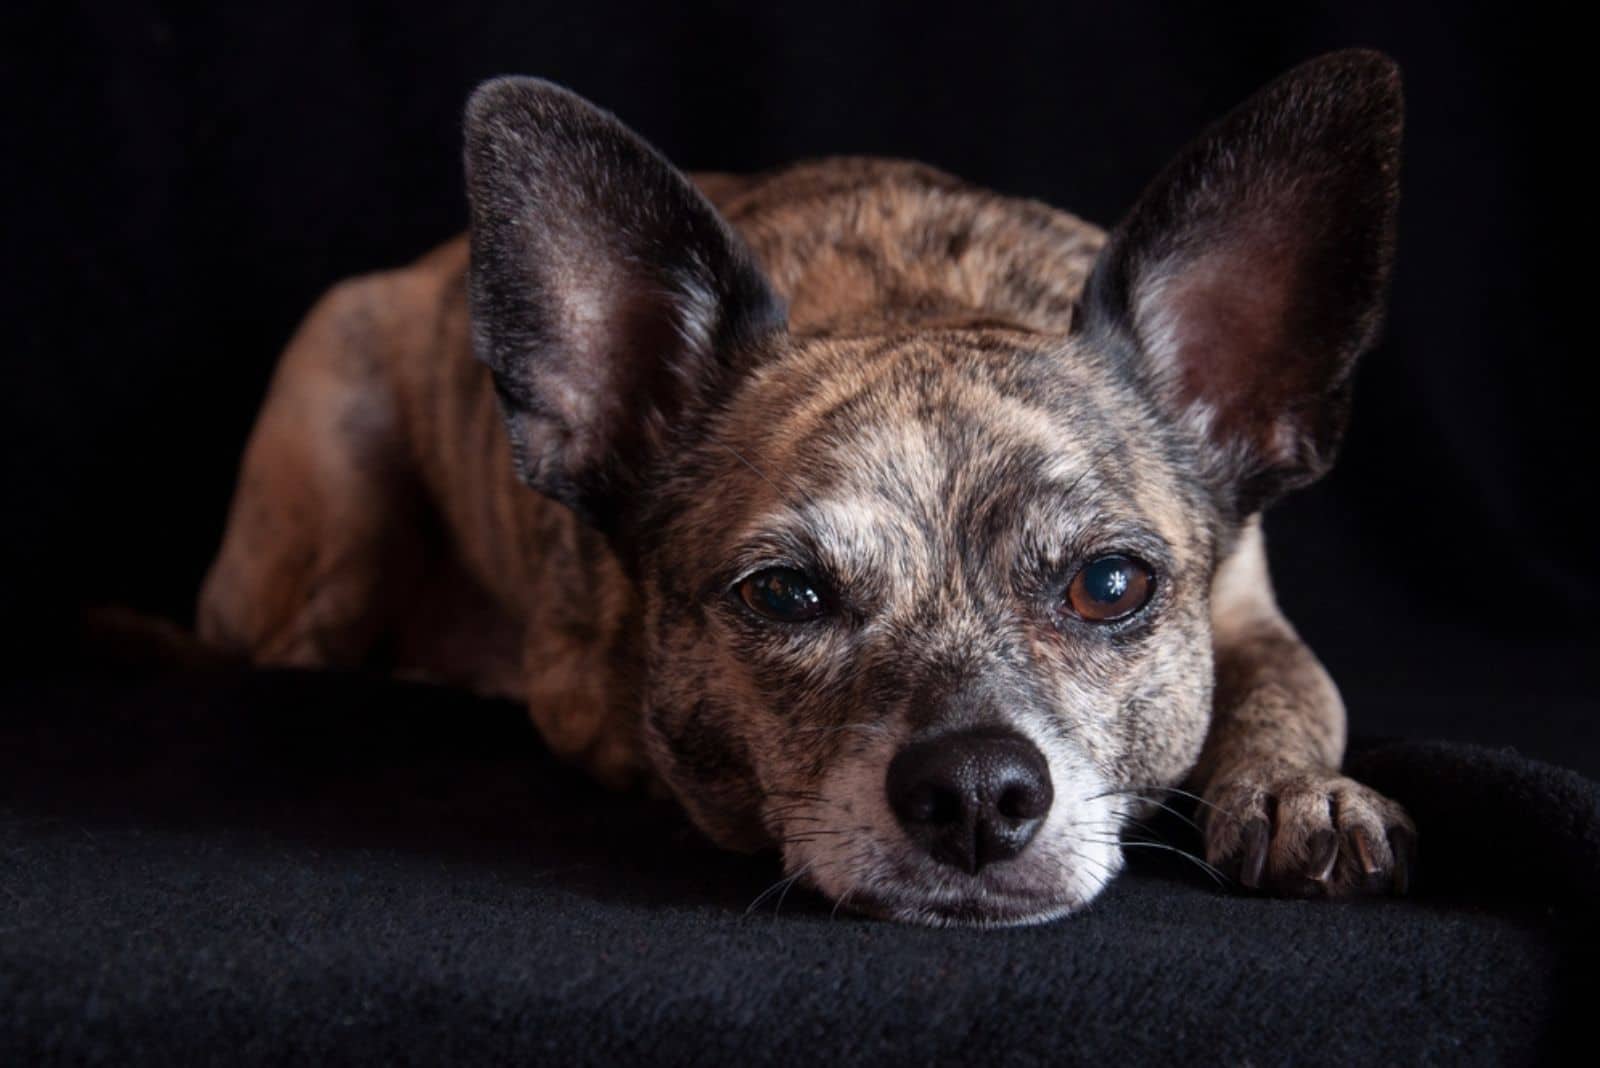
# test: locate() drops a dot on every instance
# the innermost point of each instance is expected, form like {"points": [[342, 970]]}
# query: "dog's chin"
{"points": [[985, 910], [907, 888]]}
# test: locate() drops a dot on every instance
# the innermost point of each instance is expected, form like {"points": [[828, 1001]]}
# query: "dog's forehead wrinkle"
{"points": [[917, 435], [856, 381], [934, 516]]}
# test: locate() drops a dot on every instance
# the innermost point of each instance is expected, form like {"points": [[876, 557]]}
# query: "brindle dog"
{"points": [[905, 527]]}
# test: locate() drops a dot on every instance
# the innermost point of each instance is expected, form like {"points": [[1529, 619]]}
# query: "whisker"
{"points": [[1163, 806], [1140, 791], [781, 885], [1085, 858], [1216, 875], [810, 836], [865, 728], [787, 887]]}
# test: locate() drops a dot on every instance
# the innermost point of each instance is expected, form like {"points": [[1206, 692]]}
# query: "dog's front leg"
{"points": [[1278, 814]]}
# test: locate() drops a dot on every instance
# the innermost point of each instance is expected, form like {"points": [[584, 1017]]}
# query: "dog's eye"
{"points": [[1111, 587], [782, 594]]}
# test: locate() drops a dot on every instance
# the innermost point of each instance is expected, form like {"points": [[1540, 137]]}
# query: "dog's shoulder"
{"points": [[861, 244]]}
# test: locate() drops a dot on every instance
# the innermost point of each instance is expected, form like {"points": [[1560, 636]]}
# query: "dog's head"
{"points": [[928, 609]]}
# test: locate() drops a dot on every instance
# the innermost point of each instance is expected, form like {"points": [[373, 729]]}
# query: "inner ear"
{"points": [[609, 299], [1222, 321], [1247, 279]]}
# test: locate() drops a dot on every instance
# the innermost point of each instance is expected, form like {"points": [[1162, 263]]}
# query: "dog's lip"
{"points": [[990, 910], [917, 891]]}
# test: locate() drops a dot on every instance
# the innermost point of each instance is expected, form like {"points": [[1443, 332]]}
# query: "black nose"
{"points": [[972, 797]]}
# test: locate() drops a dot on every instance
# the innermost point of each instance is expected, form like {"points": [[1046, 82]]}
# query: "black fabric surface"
{"points": [[261, 867]]}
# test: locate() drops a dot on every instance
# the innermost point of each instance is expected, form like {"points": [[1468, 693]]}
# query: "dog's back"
{"points": [[863, 246]]}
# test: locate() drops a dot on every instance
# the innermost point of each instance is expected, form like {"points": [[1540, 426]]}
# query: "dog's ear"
{"points": [[1250, 275], [608, 297]]}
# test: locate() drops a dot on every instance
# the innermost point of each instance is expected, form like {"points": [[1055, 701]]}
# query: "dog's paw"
{"points": [[1305, 833]]}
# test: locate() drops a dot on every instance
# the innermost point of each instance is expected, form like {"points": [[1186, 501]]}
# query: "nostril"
{"points": [[933, 804], [1024, 801]]}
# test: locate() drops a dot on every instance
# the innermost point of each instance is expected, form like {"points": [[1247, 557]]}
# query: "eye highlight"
{"points": [[782, 595], [1109, 588]]}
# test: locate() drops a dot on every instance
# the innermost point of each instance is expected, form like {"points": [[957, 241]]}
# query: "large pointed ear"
{"points": [[1250, 275], [608, 297]]}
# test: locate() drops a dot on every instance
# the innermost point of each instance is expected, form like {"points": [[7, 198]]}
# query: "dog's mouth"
{"points": [[979, 910], [885, 878]]}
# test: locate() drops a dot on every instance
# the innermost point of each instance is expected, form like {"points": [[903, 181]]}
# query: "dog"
{"points": [[906, 528]]}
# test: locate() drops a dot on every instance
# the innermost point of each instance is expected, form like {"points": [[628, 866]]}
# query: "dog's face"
{"points": [[929, 610], [901, 575]]}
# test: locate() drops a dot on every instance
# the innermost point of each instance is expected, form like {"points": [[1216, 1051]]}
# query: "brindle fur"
{"points": [[930, 426]]}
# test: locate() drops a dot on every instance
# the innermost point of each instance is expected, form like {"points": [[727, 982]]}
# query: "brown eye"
{"points": [[781, 594], [1108, 588]]}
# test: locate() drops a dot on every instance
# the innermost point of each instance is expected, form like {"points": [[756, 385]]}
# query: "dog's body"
{"points": [[812, 499]]}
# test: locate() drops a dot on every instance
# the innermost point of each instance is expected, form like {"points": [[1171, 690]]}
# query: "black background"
{"points": [[181, 182]]}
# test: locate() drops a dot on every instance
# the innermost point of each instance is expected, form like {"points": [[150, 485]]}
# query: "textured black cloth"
{"points": [[258, 867], [266, 867]]}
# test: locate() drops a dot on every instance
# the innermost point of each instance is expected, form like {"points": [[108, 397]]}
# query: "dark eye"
{"points": [[782, 594], [1109, 588]]}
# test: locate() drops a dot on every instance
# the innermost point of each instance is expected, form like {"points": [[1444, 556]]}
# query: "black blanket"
{"points": [[261, 867]]}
